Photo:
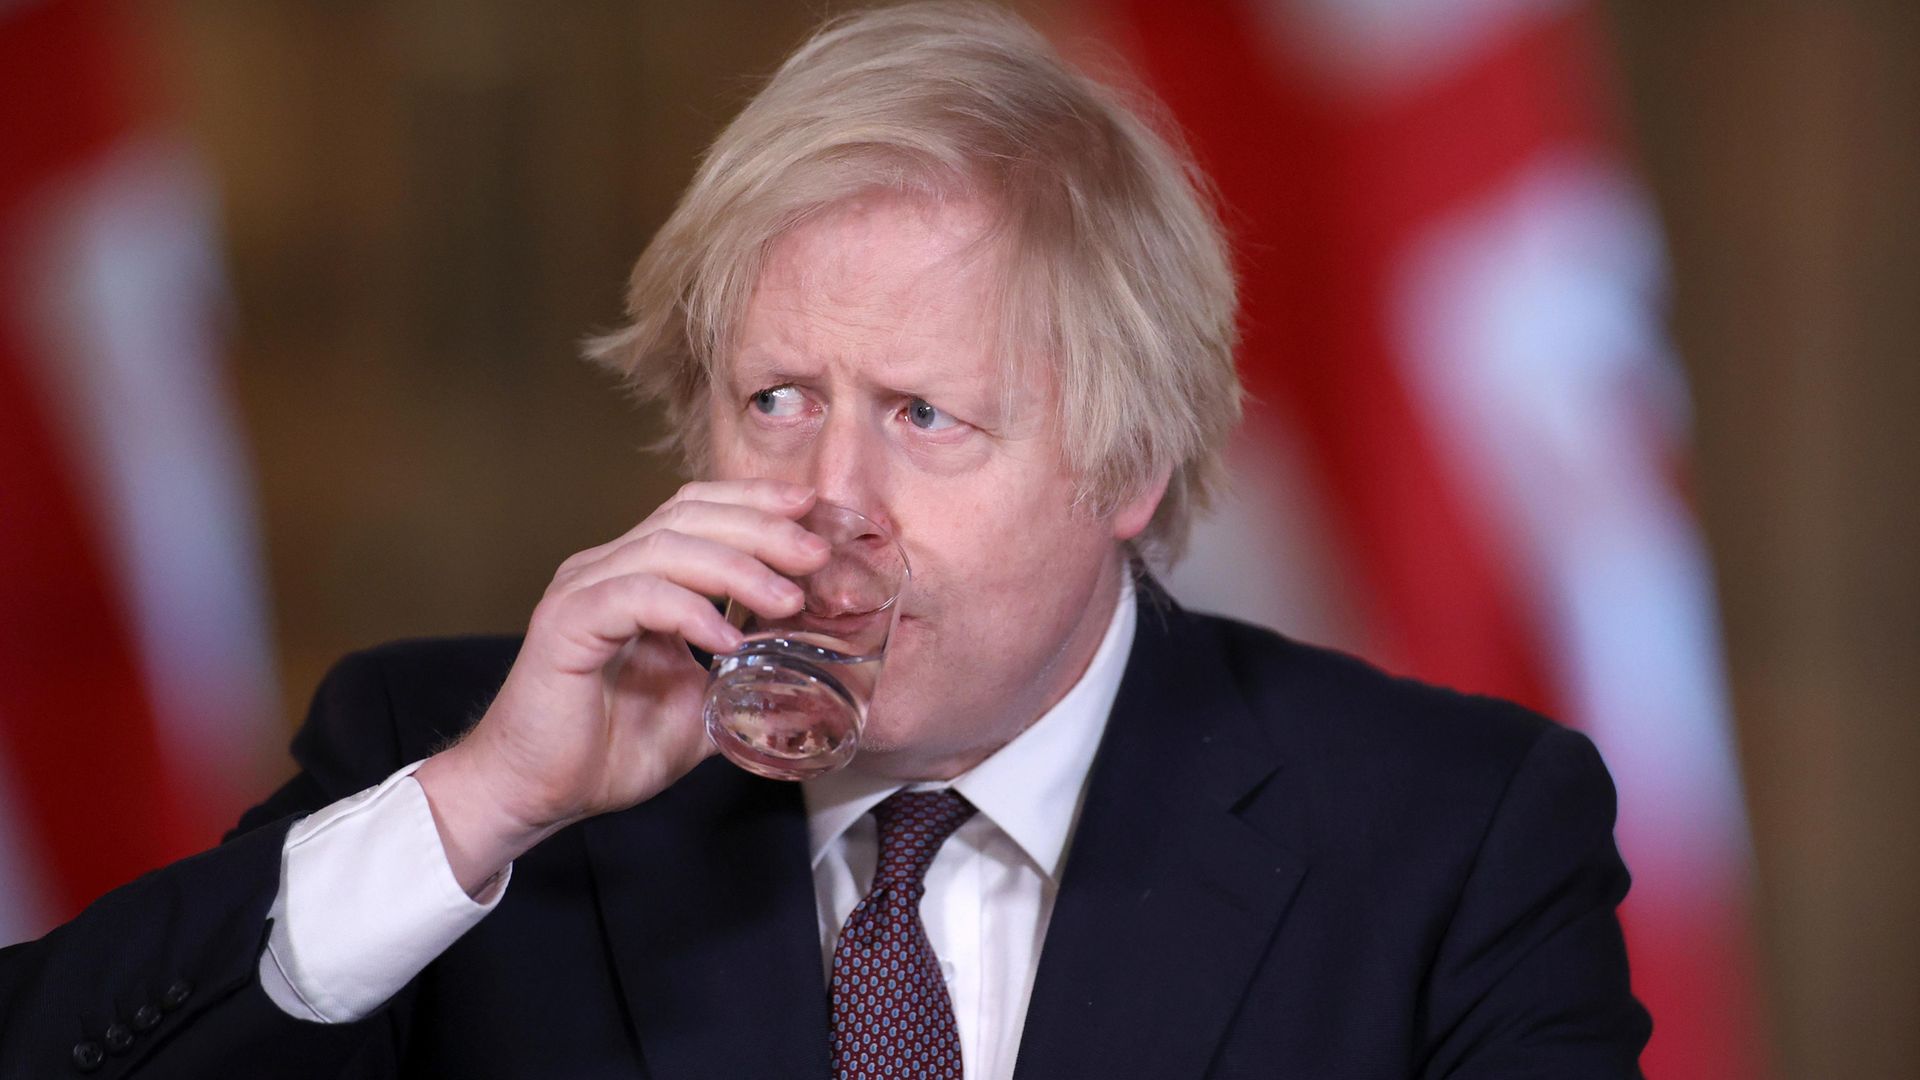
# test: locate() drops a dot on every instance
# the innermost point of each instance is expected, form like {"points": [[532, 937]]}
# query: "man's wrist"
{"points": [[480, 834]]}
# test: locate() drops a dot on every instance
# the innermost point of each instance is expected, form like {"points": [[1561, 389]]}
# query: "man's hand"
{"points": [[602, 707]]}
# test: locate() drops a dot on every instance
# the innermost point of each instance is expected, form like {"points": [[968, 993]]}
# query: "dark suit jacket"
{"points": [[1288, 865]]}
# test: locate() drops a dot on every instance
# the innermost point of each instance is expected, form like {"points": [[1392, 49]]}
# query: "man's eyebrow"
{"points": [[762, 367], [759, 369], [978, 403]]}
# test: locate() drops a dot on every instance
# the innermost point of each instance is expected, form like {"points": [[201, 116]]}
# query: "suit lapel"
{"points": [[708, 903], [1168, 899]]}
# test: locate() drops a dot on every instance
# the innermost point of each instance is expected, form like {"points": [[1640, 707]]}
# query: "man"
{"points": [[932, 275]]}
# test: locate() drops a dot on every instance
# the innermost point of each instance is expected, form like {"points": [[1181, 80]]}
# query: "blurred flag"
{"points": [[1467, 456], [134, 659]]}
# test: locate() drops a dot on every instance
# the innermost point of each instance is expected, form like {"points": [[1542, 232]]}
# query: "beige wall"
{"points": [[428, 201], [428, 204], [1783, 141]]}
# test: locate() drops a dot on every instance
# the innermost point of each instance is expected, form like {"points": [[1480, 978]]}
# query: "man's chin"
{"points": [[894, 745], [911, 748], [885, 734]]}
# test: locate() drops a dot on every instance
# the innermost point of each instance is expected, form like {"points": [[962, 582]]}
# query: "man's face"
{"points": [[866, 366]]}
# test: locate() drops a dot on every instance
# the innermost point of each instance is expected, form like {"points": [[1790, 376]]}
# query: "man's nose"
{"points": [[849, 465]]}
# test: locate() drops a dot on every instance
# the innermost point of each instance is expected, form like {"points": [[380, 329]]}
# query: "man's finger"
{"points": [[774, 496], [775, 540], [587, 627], [707, 567], [778, 500]]}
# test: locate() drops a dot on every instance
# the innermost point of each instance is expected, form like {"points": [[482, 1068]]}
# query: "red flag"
{"points": [[133, 659], [1469, 423]]}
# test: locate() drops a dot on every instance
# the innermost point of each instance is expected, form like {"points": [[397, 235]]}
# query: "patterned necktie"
{"points": [[891, 1014]]}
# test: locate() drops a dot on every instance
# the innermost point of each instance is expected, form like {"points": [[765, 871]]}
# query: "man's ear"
{"points": [[1133, 515]]}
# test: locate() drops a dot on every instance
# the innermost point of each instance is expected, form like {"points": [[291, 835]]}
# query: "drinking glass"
{"points": [[790, 702]]}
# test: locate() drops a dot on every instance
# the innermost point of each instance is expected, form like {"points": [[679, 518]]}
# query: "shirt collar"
{"points": [[1029, 788]]}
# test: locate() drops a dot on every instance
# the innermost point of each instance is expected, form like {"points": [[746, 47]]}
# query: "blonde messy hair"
{"points": [[1114, 268]]}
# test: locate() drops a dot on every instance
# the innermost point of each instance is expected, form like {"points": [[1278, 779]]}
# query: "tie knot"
{"points": [[913, 825]]}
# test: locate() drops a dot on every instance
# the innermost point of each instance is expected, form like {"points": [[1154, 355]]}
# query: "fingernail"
{"points": [[814, 545], [788, 591]]}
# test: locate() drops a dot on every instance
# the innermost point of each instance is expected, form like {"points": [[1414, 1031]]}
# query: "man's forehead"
{"points": [[888, 249], [899, 286]]}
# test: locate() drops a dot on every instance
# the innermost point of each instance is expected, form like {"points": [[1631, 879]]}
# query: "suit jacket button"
{"points": [[118, 1039], [176, 995], [146, 1018], [87, 1056]]}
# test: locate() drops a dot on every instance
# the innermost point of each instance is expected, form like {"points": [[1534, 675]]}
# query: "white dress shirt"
{"points": [[991, 886], [367, 898]]}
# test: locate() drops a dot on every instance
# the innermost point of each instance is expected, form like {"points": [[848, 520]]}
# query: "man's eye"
{"points": [[927, 418], [777, 401]]}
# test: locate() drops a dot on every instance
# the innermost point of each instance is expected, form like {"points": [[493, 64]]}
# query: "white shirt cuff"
{"points": [[367, 900]]}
